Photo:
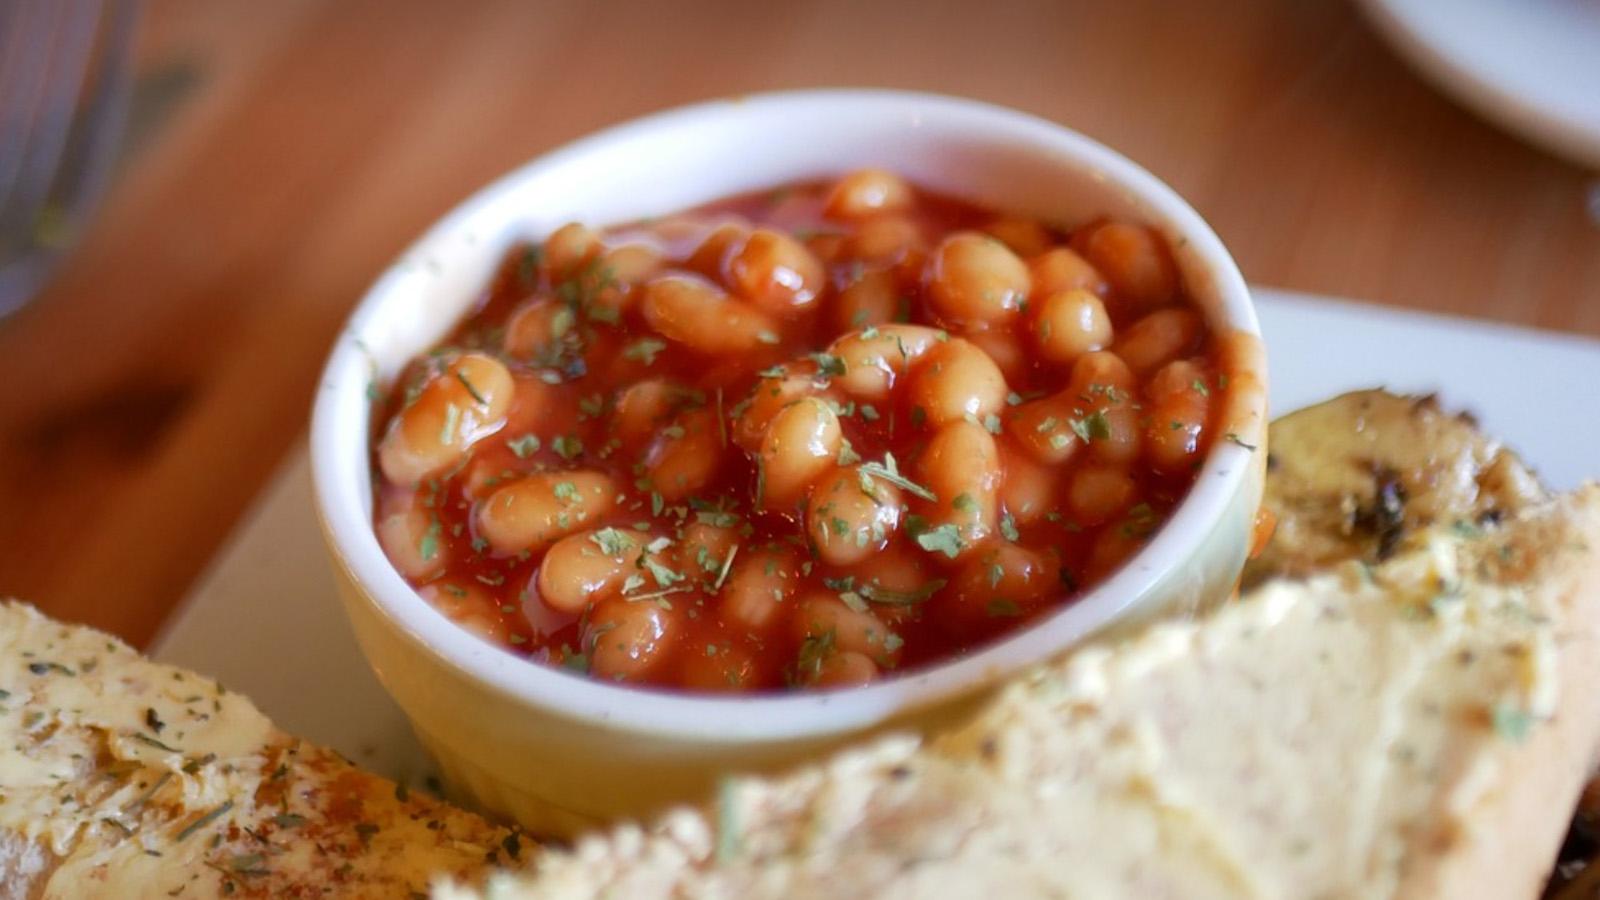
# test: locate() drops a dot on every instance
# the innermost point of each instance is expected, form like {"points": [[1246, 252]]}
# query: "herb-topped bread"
{"points": [[123, 778]]}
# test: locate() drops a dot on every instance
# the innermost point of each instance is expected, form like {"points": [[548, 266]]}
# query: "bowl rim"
{"points": [[768, 717]]}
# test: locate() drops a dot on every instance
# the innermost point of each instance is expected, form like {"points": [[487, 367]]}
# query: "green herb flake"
{"points": [[524, 446], [945, 539], [1002, 609], [644, 350], [889, 471], [205, 820], [1008, 528], [877, 593], [1091, 427], [568, 446], [428, 547], [828, 365]]}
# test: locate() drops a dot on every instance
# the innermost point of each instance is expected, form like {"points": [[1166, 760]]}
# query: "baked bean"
{"points": [[705, 549], [1103, 387], [1025, 237], [620, 269], [801, 443], [709, 257], [896, 582], [1068, 324], [867, 192], [961, 466], [758, 588], [467, 605], [886, 239], [719, 666], [869, 300], [874, 358], [1178, 404], [1158, 339], [851, 515], [538, 331], [1098, 493], [1044, 428], [845, 669], [686, 455], [643, 407], [1007, 352], [629, 640], [977, 281], [568, 249], [584, 568], [1134, 259], [1028, 490], [411, 538], [1060, 269], [697, 314], [820, 615], [776, 272], [1001, 581], [631, 263], [955, 380], [462, 403], [535, 512], [769, 397]]}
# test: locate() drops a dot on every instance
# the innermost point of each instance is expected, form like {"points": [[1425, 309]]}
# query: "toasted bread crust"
{"points": [[121, 777]]}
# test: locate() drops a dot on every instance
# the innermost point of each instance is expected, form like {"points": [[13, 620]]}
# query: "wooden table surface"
{"points": [[282, 152]]}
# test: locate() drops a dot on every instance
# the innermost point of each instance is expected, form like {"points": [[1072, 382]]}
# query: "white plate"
{"points": [[1531, 65], [265, 621]]}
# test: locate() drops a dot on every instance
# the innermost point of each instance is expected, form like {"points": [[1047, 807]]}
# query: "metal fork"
{"points": [[63, 93]]}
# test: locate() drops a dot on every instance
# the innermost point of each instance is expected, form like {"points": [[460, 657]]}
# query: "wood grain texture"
{"points": [[152, 389]]}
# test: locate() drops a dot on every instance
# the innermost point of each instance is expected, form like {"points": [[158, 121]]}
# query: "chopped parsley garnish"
{"points": [[1008, 528], [1091, 427], [644, 350], [889, 597], [828, 365], [1002, 609], [428, 547], [524, 446], [612, 542], [889, 471], [945, 539], [567, 445]]}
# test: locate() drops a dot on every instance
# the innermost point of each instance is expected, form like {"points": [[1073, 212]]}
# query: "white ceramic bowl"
{"points": [[558, 751]]}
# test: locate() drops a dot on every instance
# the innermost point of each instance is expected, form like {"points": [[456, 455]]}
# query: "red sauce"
{"points": [[1068, 498]]}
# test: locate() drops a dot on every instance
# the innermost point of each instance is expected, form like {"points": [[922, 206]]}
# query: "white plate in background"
{"points": [[265, 621], [1533, 66]]}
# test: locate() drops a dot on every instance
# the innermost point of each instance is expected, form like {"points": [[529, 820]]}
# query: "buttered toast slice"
{"points": [[1412, 723], [124, 778]]}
